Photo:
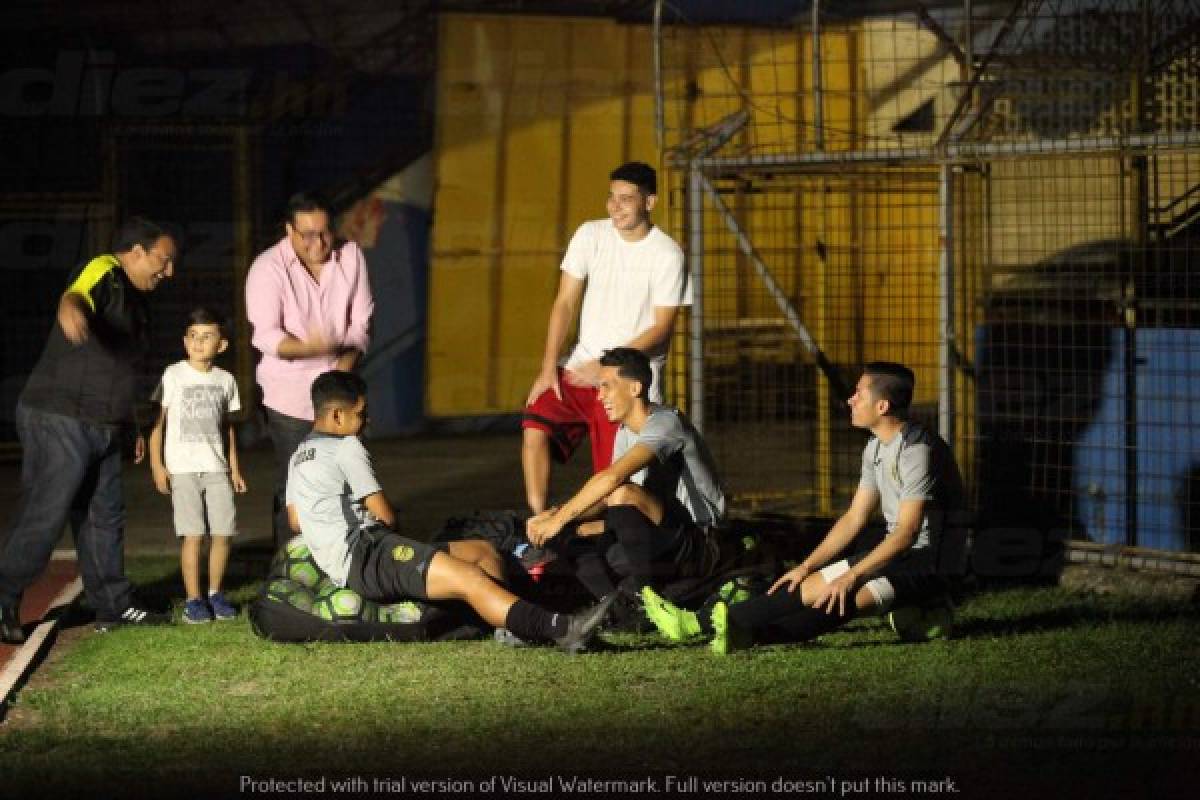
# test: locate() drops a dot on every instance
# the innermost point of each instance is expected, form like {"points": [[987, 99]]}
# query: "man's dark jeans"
{"points": [[286, 434], [70, 471]]}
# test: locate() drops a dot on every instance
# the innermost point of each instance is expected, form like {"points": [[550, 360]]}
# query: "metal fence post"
{"points": [[695, 206]]}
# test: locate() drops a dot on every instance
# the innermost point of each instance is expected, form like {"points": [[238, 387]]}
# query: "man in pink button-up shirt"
{"points": [[309, 301]]}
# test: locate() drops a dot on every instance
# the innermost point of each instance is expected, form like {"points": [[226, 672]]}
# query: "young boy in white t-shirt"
{"points": [[193, 455]]}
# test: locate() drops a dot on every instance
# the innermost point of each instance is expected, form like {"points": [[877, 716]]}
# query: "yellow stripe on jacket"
{"points": [[96, 269]]}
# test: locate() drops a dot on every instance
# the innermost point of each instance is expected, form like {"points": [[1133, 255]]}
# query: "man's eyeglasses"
{"points": [[311, 236]]}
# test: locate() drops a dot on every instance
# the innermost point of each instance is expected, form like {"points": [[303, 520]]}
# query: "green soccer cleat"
{"points": [[675, 623], [726, 637]]}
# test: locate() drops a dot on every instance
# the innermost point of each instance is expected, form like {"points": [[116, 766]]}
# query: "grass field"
{"points": [[1041, 693]]}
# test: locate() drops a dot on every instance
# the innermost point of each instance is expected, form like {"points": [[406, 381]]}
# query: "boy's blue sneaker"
{"points": [[221, 608], [196, 612]]}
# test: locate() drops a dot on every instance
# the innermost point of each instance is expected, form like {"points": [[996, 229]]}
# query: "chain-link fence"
{"points": [[1003, 196]]}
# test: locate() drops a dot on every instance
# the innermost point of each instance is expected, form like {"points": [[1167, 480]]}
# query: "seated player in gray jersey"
{"points": [[336, 503], [908, 472], [644, 518]]}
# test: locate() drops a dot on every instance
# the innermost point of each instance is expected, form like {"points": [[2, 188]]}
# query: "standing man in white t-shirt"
{"points": [[629, 278]]}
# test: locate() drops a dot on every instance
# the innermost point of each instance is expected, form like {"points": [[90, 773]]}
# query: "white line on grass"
{"points": [[19, 663]]}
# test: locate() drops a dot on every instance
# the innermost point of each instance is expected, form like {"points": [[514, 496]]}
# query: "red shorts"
{"points": [[569, 420]]}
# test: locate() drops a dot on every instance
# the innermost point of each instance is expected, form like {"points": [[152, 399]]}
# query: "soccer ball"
{"points": [[914, 624], [289, 592], [340, 605], [324, 586], [404, 612], [295, 562]]}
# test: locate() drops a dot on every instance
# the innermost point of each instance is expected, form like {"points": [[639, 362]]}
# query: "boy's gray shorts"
{"points": [[203, 503]]}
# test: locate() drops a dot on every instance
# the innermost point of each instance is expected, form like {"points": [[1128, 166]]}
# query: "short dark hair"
{"points": [[202, 315], [306, 201], [336, 389], [640, 174], [892, 382], [138, 230], [632, 365]]}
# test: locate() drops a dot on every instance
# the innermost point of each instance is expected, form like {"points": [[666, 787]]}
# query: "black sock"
{"points": [[783, 617], [752, 614], [639, 542], [592, 571], [535, 623], [762, 610], [808, 624], [585, 554]]}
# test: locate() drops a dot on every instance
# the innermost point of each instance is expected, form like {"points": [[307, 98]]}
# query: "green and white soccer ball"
{"points": [[340, 605], [295, 562], [913, 624], [404, 612], [324, 586], [291, 593]]}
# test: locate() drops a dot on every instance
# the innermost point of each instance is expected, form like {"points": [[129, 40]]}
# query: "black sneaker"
{"points": [[582, 627], [11, 631], [132, 616]]}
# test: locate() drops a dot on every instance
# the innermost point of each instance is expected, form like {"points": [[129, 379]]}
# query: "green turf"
{"points": [[1039, 688]]}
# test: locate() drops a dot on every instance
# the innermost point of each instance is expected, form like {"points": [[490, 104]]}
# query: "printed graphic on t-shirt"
{"points": [[200, 414]]}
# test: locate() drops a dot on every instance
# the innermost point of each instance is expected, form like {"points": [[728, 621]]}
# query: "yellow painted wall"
{"points": [[900, 261], [903, 65], [1040, 206], [532, 114]]}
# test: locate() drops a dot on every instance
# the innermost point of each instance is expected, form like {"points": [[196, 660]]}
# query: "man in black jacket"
{"points": [[68, 419]]}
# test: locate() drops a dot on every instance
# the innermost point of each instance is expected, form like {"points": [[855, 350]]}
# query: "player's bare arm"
{"points": [[844, 531], [378, 505], [73, 317], [908, 522], [562, 314], [591, 498], [158, 467]]}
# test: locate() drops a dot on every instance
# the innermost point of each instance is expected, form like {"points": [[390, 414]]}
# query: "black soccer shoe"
{"points": [[132, 617], [582, 627], [11, 631]]}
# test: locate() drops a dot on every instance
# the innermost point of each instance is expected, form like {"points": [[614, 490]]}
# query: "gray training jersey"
{"points": [[682, 466], [328, 477], [915, 464]]}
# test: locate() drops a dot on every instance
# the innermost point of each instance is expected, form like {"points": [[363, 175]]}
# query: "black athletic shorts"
{"points": [[386, 567], [910, 580]]}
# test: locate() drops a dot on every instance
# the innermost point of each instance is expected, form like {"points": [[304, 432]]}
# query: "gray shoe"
{"points": [[582, 627], [509, 639]]}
